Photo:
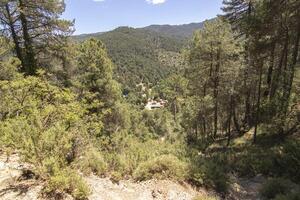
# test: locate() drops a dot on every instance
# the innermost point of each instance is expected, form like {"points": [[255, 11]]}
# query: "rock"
{"points": [[12, 187]]}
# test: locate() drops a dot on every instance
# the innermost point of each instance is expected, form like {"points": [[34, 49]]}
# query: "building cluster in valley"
{"points": [[155, 104], [152, 103]]}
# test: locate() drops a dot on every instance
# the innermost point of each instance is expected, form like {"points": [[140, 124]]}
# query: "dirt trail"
{"points": [[13, 187], [148, 190], [246, 188]]}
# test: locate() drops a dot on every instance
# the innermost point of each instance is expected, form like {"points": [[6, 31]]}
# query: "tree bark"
{"points": [[29, 58], [229, 121], [236, 123], [257, 114], [216, 92], [275, 80], [14, 35], [270, 70], [290, 74]]}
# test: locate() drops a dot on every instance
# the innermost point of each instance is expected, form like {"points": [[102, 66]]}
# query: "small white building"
{"points": [[152, 104]]}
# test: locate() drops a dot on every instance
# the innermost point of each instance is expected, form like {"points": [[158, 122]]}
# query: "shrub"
{"points": [[274, 187], [127, 152], [162, 167], [115, 177], [115, 162], [209, 172], [289, 158], [292, 196], [92, 162], [67, 181], [280, 160], [45, 128], [215, 176], [46, 124]]}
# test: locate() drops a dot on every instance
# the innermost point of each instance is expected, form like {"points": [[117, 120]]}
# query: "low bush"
{"points": [[67, 181], [209, 172], [92, 161], [128, 152], [116, 177], [279, 160], [292, 196], [162, 167], [288, 160], [275, 187]]}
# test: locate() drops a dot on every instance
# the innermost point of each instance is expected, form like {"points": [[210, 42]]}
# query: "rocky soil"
{"points": [[13, 186]]}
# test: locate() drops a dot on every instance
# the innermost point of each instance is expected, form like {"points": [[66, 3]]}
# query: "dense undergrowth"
{"points": [[48, 127], [233, 107]]}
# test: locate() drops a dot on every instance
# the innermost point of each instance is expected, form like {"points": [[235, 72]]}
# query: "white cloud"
{"points": [[98, 0], [156, 1]]}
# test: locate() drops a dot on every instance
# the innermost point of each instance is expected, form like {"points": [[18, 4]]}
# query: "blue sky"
{"points": [[103, 15]]}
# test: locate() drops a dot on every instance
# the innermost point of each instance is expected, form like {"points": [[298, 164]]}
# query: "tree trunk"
{"points": [[290, 78], [204, 126], [14, 35], [236, 123], [270, 70], [229, 120], [175, 109], [257, 114], [216, 92], [275, 80], [29, 58]]}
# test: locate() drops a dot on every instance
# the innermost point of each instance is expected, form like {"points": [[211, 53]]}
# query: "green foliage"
{"points": [[289, 157], [124, 153], [8, 65], [42, 123], [214, 72], [39, 119], [37, 31], [275, 187], [248, 163], [279, 160], [88, 127], [92, 161], [138, 54], [99, 92], [95, 74], [174, 89], [210, 172], [116, 177], [162, 167], [291, 196], [160, 123], [67, 181], [178, 31]]}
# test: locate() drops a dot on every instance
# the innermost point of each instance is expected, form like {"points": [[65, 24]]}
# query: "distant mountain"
{"points": [[181, 31], [82, 37], [145, 54]]}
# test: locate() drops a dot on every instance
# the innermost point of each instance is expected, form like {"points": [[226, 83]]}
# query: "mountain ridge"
{"points": [[147, 54], [177, 30]]}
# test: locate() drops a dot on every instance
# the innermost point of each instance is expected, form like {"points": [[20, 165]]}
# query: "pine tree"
{"points": [[215, 64], [35, 29], [271, 29]]}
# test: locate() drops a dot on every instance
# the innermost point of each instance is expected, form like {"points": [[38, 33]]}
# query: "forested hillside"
{"points": [[183, 31], [147, 54], [229, 126]]}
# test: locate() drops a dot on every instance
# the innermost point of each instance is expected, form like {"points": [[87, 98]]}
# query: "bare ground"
{"points": [[14, 187]]}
